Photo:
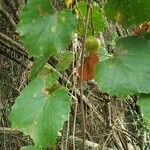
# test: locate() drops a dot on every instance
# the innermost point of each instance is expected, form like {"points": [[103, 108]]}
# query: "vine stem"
{"points": [[82, 63], [7, 16]]}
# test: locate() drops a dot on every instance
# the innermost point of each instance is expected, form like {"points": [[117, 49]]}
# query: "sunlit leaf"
{"points": [[68, 3]]}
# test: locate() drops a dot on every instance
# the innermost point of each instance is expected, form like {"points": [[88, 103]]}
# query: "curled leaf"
{"points": [[88, 68]]}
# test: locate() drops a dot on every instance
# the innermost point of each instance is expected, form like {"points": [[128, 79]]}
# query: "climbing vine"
{"points": [[47, 32]]}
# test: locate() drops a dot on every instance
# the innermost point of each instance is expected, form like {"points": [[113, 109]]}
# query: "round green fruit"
{"points": [[92, 44]]}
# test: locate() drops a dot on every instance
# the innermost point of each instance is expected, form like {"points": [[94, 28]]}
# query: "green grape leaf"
{"points": [[144, 103], [40, 114], [29, 148], [43, 32], [64, 61], [127, 13], [127, 71], [96, 21]]}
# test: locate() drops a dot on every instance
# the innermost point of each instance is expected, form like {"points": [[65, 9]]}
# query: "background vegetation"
{"points": [[47, 95]]}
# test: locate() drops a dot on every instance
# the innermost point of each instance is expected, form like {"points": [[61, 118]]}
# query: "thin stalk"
{"points": [[82, 63]]}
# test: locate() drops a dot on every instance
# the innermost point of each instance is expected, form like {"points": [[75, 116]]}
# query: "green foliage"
{"points": [[144, 103], [40, 114], [42, 32], [128, 12], [64, 61], [37, 66], [127, 71], [44, 105], [96, 22]]}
